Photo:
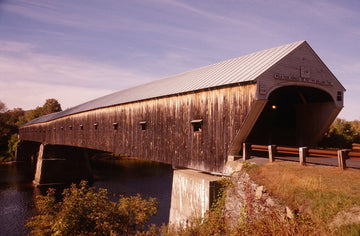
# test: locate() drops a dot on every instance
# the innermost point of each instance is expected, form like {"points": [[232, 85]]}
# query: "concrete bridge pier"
{"points": [[193, 193], [58, 164]]}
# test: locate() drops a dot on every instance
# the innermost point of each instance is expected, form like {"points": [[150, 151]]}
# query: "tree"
{"points": [[12, 145], [10, 120], [341, 134], [51, 105], [88, 211], [15, 115], [2, 107], [33, 114]]}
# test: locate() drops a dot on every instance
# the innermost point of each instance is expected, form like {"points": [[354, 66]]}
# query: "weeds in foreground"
{"points": [[85, 210], [319, 192], [318, 189]]}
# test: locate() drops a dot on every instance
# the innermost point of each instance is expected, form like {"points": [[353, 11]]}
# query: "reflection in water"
{"points": [[127, 177], [16, 198]]}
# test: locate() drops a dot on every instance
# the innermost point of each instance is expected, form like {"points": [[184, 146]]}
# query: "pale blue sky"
{"points": [[78, 50]]}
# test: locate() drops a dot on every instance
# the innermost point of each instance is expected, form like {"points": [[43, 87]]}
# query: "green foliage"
{"points": [[51, 105], [12, 145], [247, 166], [33, 114], [10, 120], [341, 134], [9, 126], [214, 223], [87, 211]]}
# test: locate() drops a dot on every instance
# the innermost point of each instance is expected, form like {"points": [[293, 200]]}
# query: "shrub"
{"points": [[12, 145], [85, 210]]}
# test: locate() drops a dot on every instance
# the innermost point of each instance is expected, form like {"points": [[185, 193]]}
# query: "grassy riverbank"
{"points": [[328, 196], [324, 201]]}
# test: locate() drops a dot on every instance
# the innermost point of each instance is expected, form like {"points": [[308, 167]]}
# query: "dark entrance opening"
{"points": [[293, 116]]}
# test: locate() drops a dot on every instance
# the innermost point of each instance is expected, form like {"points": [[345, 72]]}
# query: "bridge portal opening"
{"points": [[293, 116]]}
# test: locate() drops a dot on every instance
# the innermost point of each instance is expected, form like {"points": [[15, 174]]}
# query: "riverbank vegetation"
{"points": [[11, 120], [85, 210], [326, 196], [324, 201], [341, 134]]}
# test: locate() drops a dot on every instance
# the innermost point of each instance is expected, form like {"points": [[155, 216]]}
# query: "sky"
{"points": [[78, 50]]}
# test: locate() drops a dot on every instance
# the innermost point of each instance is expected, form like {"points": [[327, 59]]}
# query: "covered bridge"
{"points": [[284, 95]]}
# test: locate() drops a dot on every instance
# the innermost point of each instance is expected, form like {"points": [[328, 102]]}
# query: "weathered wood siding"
{"points": [[169, 136]]}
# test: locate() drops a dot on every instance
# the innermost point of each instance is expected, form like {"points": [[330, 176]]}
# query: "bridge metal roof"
{"points": [[237, 70]]}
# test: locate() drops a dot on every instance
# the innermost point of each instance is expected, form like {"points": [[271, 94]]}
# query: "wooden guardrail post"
{"points": [[246, 151], [272, 152], [303, 151], [342, 156]]}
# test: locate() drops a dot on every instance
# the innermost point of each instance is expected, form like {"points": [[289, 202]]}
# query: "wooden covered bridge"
{"points": [[197, 119]]}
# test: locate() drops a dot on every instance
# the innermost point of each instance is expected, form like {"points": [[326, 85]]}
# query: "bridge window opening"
{"points": [[115, 125], [339, 96], [70, 127], [143, 125], [81, 127], [62, 128], [96, 125], [291, 117], [197, 125]]}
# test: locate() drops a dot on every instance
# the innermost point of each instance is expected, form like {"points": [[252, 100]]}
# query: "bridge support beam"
{"points": [[192, 194], [61, 164]]}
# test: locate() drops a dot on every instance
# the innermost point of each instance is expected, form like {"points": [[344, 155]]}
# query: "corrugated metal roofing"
{"points": [[236, 70]]}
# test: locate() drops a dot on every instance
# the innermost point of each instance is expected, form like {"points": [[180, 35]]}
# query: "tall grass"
{"points": [[318, 192]]}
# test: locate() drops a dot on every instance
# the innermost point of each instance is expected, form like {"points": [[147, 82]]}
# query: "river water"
{"points": [[126, 177]]}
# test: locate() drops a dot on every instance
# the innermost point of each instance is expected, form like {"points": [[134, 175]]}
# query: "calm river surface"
{"points": [[127, 177]]}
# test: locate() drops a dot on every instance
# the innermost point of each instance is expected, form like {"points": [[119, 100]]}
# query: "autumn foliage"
{"points": [[85, 210]]}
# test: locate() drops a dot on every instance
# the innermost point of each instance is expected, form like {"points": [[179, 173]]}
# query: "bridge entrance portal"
{"points": [[293, 116]]}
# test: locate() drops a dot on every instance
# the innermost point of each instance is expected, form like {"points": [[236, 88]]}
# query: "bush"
{"points": [[87, 211], [341, 134], [12, 145]]}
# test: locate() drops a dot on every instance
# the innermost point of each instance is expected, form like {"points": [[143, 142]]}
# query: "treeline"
{"points": [[341, 134], [11, 120]]}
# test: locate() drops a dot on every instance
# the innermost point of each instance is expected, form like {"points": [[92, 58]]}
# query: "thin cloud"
{"points": [[34, 94], [37, 76], [22, 63], [15, 47]]}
